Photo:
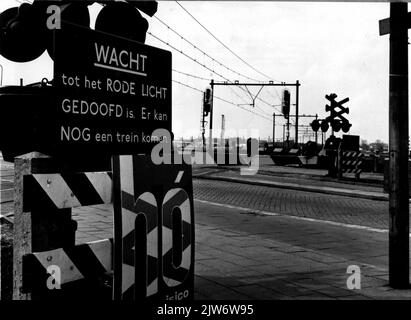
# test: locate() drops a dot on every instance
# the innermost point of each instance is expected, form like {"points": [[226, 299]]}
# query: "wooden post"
{"points": [[398, 142], [40, 228]]}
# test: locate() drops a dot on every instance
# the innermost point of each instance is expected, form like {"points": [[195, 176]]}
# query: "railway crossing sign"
{"points": [[336, 118], [337, 124]]}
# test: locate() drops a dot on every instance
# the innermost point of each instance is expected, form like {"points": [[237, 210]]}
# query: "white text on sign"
{"points": [[125, 61]]}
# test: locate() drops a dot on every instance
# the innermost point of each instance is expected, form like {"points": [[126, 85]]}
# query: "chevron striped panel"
{"points": [[68, 190], [352, 162], [90, 261]]}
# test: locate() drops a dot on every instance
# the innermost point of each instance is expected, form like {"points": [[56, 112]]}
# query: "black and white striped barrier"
{"points": [[72, 190], [50, 271], [46, 193], [351, 162], [153, 252]]}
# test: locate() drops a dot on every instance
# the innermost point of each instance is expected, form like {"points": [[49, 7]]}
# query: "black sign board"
{"points": [[112, 92], [350, 142]]}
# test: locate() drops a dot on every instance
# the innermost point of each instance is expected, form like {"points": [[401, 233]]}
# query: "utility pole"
{"points": [[398, 142], [273, 129], [211, 117], [202, 124], [297, 86], [288, 131], [222, 128]]}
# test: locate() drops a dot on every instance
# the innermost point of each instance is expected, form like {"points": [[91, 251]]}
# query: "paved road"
{"points": [[243, 253], [342, 209], [291, 202]]}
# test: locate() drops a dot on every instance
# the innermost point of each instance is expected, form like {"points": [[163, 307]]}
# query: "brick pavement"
{"points": [[280, 262], [299, 203]]}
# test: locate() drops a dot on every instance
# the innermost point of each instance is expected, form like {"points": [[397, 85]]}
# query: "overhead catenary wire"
{"points": [[203, 52], [204, 79], [224, 100], [203, 65], [224, 45], [190, 75], [188, 56], [241, 59]]}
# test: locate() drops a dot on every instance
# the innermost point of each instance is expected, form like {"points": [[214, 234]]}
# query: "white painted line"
{"points": [[104, 66], [179, 176], [267, 213]]}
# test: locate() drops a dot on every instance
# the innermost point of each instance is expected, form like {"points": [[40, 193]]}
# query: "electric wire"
{"points": [[225, 46], [224, 100], [203, 52]]}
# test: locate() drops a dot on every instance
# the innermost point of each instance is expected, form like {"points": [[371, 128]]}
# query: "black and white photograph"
{"points": [[204, 158]]}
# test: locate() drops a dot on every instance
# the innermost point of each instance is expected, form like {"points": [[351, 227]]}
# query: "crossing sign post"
{"points": [[336, 118], [342, 122]]}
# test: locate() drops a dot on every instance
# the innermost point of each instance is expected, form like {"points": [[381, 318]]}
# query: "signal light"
{"points": [[22, 36], [24, 32], [71, 15], [122, 19], [315, 125], [286, 104], [148, 7], [324, 126], [207, 102], [345, 126], [336, 125]]}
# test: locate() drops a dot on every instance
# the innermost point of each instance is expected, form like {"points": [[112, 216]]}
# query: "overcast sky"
{"points": [[328, 47]]}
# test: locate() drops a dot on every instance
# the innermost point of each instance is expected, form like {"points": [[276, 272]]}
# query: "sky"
{"points": [[327, 47]]}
